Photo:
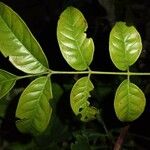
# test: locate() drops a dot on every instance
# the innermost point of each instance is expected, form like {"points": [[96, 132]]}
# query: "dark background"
{"points": [[41, 16]]}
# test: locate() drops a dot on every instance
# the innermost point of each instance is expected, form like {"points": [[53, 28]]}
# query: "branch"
{"points": [[121, 138]]}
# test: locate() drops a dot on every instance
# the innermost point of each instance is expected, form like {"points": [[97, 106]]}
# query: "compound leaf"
{"points": [[129, 102], [34, 110], [7, 81], [17, 42], [124, 45], [79, 99], [75, 47]]}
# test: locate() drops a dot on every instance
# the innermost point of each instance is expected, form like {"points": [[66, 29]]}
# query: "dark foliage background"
{"points": [[41, 16]]}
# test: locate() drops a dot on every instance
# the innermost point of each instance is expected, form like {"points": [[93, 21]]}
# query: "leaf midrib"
{"points": [[76, 42], [10, 78], [31, 119], [128, 98], [86, 88], [124, 46], [7, 80]]}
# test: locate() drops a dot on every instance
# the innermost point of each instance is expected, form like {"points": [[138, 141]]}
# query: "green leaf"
{"points": [[81, 143], [34, 110], [124, 45], [17, 43], [79, 100], [75, 47], [129, 102], [7, 81]]}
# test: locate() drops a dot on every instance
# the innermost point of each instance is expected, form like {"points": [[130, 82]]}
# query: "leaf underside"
{"points": [[124, 45], [34, 110], [7, 81], [129, 102], [75, 47], [79, 100], [17, 43]]}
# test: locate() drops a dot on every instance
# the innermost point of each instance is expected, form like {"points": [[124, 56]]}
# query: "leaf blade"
{"points": [[7, 82], [34, 110], [18, 43], [78, 99], [76, 49], [129, 102], [124, 45]]}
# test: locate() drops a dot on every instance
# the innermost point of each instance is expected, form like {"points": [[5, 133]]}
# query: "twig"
{"points": [[121, 138]]}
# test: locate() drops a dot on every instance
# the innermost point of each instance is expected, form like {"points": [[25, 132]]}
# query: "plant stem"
{"points": [[128, 76], [101, 73], [140, 73], [100, 120], [89, 72], [32, 75], [121, 138]]}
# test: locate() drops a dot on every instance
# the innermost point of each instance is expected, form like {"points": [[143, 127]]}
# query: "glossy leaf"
{"points": [[7, 81], [79, 99], [17, 43], [129, 101], [124, 45], [34, 110], [75, 47]]}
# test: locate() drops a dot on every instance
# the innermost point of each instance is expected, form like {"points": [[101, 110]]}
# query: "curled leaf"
{"points": [[79, 99]]}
